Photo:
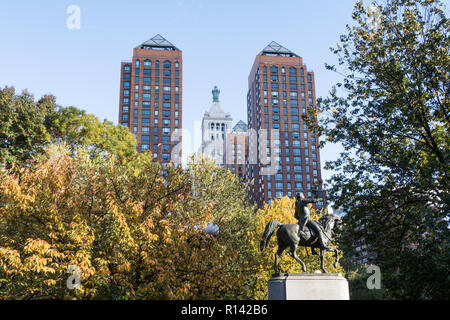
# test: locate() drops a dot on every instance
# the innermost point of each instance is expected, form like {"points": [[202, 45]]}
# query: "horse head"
{"points": [[331, 222]]}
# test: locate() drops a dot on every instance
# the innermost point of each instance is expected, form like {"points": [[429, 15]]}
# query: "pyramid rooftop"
{"points": [[275, 49], [241, 126], [158, 42]]}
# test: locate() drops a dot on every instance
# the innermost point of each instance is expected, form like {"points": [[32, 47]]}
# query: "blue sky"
{"points": [[219, 40]]}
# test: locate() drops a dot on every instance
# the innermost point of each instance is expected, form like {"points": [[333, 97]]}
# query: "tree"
{"points": [[281, 210], [23, 131], [391, 115], [27, 127], [130, 231]]}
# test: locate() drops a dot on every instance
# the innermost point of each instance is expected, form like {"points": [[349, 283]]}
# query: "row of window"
{"points": [[146, 121], [147, 105], [293, 102], [146, 130], [292, 79], [292, 94], [277, 126], [166, 97], [292, 71], [276, 118], [147, 80], [280, 185], [148, 72], [274, 86], [280, 194], [148, 63], [147, 95], [147, 112], [147, 87]]}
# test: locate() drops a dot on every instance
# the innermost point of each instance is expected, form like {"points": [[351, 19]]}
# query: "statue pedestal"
{"points": [[308, 286]]}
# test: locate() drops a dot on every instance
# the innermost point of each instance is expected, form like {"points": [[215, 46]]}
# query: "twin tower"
{"points": [[275, 149]]}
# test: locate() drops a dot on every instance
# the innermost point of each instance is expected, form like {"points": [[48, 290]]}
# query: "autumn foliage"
{"points": [[132, 232]]}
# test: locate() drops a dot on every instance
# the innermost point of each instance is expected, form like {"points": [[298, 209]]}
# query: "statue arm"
{"points": [[313, 200]]}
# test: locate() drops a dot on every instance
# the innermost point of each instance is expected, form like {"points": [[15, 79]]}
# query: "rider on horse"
{"points": [[303, 215]]}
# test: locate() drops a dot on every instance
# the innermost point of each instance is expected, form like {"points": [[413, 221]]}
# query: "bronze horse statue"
{"points": [[289, 235]]}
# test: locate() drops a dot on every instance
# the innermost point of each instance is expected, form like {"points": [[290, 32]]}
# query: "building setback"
{"points": [[283, 153], [150, 98], [236, 150]]}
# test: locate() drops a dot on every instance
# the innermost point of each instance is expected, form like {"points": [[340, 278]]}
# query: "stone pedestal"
{"points": [[308, 286]]}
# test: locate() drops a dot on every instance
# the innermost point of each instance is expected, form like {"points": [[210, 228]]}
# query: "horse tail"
{"points": [[268, 232]]}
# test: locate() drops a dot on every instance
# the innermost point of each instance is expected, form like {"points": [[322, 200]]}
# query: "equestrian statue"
{"points": [[307, 233]]}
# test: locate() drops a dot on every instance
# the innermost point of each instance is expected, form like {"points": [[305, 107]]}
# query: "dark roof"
{"points": [[275, 49], [241, 126], [157, 42]]}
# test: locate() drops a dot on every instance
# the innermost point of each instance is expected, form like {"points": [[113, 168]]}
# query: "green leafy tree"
{"points": [[23, 130], [27, 127], [391, 115]]}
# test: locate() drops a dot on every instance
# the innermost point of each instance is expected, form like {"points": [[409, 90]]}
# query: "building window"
{"points": [[147, 63], [137, 63], [167, 64]]}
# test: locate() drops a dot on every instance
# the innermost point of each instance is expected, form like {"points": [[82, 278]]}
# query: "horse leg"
{"points": [[322, 258], [336, 253], [294, 255], [277, 255]]}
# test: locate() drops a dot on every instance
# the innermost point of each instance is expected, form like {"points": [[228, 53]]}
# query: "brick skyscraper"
{"points": [[283, 153], [150, 98]]}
